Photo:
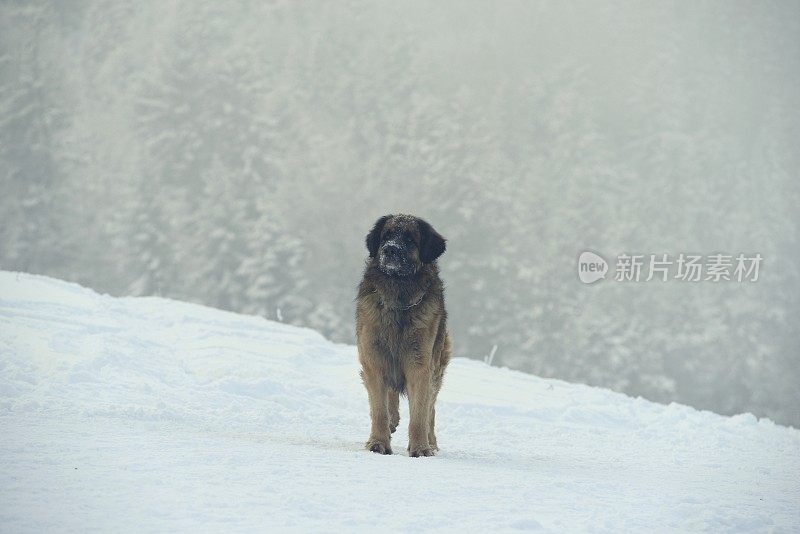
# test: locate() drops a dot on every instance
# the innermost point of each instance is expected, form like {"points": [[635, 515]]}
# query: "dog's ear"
{"points": [[374, 236], [432, 244]]}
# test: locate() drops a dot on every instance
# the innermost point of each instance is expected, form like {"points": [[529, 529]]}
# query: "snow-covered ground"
{"points": [[144, 414]]}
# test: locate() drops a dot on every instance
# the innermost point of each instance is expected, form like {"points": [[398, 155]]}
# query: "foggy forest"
{"points": [[235, 154]]}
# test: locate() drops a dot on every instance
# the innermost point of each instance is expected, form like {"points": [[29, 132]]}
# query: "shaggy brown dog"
{"points": [[403, 343]]}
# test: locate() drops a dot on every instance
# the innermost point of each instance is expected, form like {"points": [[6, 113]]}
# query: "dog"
{"points": [[401, 327]]}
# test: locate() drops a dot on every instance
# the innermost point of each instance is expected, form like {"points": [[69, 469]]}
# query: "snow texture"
{"points": [[145, 414]]}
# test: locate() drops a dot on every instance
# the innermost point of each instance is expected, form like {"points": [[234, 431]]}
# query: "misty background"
{"points": [[235, 154]]}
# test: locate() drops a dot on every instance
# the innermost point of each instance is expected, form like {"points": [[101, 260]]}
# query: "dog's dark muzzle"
{"points": [[392, 252], [394, 260]]}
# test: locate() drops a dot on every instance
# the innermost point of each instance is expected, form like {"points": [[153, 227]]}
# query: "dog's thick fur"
{"points": [[403, 343]]}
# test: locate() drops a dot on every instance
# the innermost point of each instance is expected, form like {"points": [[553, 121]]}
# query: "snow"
{"points": [[145, 414]]}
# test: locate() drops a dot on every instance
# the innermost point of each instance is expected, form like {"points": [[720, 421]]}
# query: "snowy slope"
{"points": [[118, 414]]}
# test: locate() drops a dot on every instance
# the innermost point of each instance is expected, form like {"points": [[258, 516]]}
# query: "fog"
{"points": [[235, 154]]}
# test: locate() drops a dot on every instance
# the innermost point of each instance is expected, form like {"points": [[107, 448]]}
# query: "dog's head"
{"points": [[402, 244]]}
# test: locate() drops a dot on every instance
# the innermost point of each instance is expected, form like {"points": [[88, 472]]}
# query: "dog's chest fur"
{"points": [[399, 314]]}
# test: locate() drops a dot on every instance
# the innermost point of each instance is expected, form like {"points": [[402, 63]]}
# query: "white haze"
{"points": [[236, 153]]}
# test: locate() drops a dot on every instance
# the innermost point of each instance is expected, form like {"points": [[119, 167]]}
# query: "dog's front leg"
{"points": [[379, 437], [418, 383]]}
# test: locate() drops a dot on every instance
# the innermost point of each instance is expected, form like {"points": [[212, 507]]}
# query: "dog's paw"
{"points": [[422, 450], [376, 445]]}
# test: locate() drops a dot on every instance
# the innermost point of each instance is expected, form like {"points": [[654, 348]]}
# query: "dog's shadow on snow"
{"points": [[448, 454]]}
